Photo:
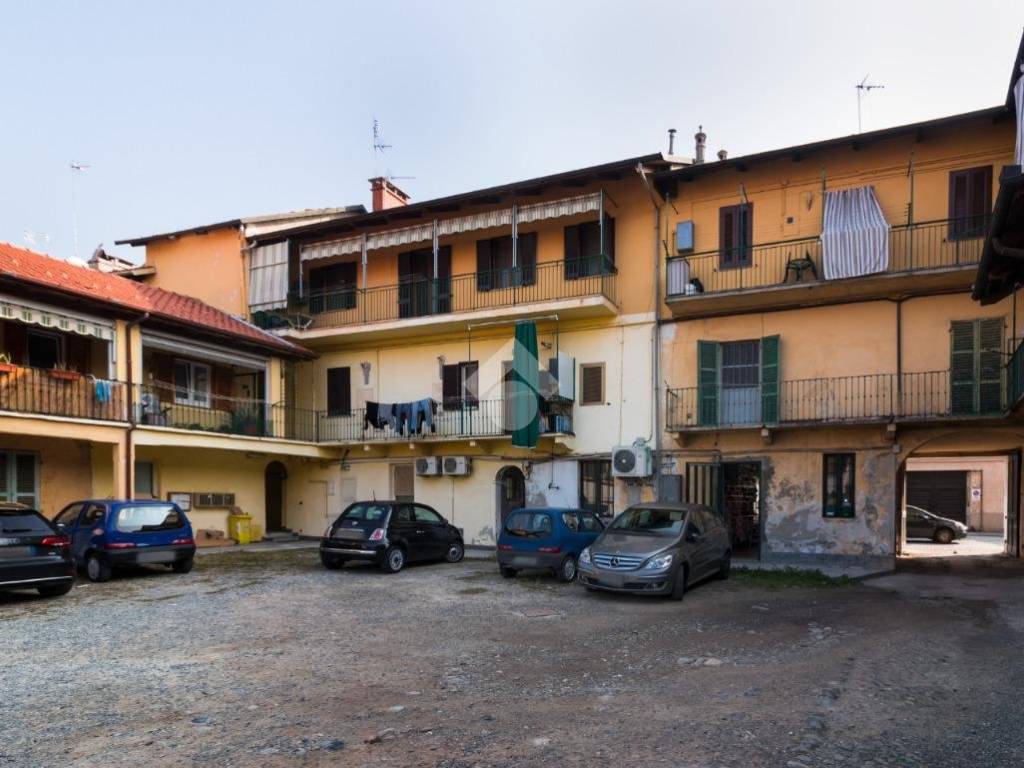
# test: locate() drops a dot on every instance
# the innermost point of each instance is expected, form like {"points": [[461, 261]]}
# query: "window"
{"points": [[426, 515], [596, 486], [45, 350], [419, 293], [460, 385], [494, 262], [371, 512], [19, 478], [191, 383], [339, 391], [735, 235], [583, 251], [144, 485], [839, 498], [525, 523], [148, 517], [571, 521], [660, 522], [332, 287], [589, 523], [592, 384], [738, 382], [69, 515], [970, 202], [94, 515], [976, 366], [19, 521]]}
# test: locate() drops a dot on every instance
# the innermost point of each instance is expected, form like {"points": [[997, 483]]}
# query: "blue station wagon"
{"points": [[547, 538], [107, 534]]}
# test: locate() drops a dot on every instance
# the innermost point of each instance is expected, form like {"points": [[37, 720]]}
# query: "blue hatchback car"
{"points": [[106, 534], [548, 538]]}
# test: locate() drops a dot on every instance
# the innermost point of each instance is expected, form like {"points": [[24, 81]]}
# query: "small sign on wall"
{"points": [[183, 500], [975, 494]]}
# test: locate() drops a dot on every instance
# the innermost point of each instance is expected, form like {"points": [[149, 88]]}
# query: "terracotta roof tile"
{"points": [[20, 264]]}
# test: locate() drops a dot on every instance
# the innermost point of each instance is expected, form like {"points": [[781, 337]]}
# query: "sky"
{"points": [[190, 113]]}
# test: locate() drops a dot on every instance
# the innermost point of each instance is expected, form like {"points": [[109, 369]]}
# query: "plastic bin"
{"points": [[255, 532], [240, 528]]}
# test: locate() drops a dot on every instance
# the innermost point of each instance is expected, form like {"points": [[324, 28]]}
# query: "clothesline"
{"points": [[403, 418]]}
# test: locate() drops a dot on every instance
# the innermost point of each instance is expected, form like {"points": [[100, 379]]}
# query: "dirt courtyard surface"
{"points": [[265, 659]]}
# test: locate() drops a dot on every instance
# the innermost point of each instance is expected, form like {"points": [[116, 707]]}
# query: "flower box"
{"points": [[65, 375], [6, 368]]}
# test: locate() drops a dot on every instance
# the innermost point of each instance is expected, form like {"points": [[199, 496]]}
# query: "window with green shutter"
{"points": [[738, 382], [707, 383], [976, 366], [770, 379]]}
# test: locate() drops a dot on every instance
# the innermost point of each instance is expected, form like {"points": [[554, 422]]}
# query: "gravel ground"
{"points": [[266, 659]]}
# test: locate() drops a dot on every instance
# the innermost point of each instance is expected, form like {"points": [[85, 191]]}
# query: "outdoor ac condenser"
{"points": [[631, 461], [457, 465], [428, 465]]}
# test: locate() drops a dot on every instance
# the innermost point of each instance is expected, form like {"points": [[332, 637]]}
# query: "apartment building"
{"points": [[820, 341]]}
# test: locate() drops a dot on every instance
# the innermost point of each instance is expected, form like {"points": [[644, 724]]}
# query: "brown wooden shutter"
{"points": [[726, 235], [526, 258], [592, 384], [483, 265], [572, 251], [451, 387], [339, 391]]}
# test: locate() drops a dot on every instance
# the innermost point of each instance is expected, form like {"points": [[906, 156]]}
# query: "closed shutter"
{"points": [[727, 236], [976, 366], [526, 258], [970, 202], [339, 392], [735, 235], [608, 264], [451, 395], [990, 365], [707, 383], [483, 265], [770, 379], [961, 366], [591, 384], [572, 251]]}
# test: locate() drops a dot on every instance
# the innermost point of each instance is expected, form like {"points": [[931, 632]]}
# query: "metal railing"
{"points": [[945, 243], [844, 399], [167, 406], [493, 289], [61, 393]]}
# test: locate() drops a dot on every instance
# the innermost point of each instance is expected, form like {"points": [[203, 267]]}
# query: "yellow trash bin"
{"points": [[240, 528]]}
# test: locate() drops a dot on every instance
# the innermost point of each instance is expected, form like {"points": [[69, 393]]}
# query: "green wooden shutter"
{"points": [[961, 366], [770, 379], [990, 365], [707, 383]]}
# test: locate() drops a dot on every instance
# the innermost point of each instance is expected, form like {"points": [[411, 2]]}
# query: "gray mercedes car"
{"points": [[657, 549]]}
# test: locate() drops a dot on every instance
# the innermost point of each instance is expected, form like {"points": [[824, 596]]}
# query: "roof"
{"points": [[236, 223], [856, 141], [486, 196], [23, 266]]}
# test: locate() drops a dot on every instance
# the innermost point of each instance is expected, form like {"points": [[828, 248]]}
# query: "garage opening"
{"points": [[733, 490], [955, 506]]}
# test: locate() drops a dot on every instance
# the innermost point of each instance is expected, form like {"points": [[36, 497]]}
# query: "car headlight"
{"points": [[658, 563], [585, 556]]}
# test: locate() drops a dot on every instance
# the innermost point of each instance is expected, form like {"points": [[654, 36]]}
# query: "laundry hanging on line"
{"points": [[403, 418]]}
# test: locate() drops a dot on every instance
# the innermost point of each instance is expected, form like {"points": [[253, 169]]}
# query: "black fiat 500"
{"points": [[390, 534], [32, 554]]}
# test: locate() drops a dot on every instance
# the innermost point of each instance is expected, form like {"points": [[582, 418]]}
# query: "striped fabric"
{"points": [[855, 238], [268, 277], [1018, 94]]}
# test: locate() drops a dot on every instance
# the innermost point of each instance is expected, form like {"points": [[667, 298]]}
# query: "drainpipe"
{"points": [[129, 469]]}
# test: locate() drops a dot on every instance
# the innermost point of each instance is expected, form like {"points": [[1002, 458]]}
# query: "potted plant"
{"points": [[6, 366], [61, 371]]}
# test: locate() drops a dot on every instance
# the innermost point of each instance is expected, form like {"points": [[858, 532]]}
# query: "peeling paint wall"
{"points": [[554, 484]]}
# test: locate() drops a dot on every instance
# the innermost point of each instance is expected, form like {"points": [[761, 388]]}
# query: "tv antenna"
{"points": [[863, 88], [379, 148], [76, 168]]}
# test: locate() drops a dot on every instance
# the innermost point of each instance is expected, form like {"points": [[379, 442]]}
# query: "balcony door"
{"points": [[419, 294], [741, 377]]}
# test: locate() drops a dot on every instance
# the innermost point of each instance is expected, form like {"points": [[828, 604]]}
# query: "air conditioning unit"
{"points": [[631, 461], [428, 465], [457, 465]]}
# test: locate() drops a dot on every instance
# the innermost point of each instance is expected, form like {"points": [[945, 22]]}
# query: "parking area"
{"points": [[972, 545], [264, 658]]}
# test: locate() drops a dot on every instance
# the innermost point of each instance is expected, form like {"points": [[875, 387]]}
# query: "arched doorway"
{"points": [[511, 491], [273, 494]]}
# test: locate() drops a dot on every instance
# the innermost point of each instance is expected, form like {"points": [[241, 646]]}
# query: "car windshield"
{"points": [[366, 512], [22, 521], [645, 520], [528, 524], [148, 517]]}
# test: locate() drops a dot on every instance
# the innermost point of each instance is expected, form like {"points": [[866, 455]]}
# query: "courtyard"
{"points": [[267, 659]]}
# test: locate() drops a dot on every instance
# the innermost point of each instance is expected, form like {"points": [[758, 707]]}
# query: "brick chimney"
{"points": [[386, 195]]}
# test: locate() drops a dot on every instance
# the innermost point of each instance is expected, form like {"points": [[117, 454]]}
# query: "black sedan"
{"points": [[32, 554], [390, 534], [922, 524]]}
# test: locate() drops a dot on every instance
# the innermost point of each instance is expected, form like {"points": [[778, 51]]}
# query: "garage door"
{"points": [[943, 493]]}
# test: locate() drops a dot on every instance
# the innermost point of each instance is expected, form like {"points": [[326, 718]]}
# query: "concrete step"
{"points": [[280, 536]]}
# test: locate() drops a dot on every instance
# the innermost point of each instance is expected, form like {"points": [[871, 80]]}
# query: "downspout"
{"points": [[129, 468]]}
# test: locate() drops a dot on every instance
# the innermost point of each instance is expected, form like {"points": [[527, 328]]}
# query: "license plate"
{"points": [[154, 557], [523, 561], [17, 553]]}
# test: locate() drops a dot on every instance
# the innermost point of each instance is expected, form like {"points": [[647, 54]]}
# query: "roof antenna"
{"points": [[863, 88], [379, 148], [76, 168]]}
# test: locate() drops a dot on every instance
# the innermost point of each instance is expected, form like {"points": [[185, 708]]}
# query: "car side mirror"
{"points": [[691, 536]]}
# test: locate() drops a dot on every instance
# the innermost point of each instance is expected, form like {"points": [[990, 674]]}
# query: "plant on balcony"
{"points": [[245, 422], [62, 372], [6, 366]]}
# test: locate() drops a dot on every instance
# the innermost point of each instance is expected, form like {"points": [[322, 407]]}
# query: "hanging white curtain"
{"points": [[855, 238], [268, 277]]}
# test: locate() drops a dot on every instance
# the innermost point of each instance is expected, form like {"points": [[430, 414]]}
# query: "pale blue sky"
{"points": [[194, 112]]}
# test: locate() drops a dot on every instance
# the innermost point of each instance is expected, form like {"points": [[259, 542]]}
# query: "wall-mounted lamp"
{"points": [[440, 366], [366, 373]]}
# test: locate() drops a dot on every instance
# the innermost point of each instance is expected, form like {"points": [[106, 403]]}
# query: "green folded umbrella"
{"points": [[525, 387]]}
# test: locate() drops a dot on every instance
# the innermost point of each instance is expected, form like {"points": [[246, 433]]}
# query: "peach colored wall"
{"points": [[209, 267]]}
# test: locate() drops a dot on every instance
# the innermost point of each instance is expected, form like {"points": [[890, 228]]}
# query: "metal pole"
{"points": [[363, 259], [601, 213]]}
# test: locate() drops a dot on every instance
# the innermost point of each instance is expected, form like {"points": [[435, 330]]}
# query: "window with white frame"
{"points": [[191, 383]]}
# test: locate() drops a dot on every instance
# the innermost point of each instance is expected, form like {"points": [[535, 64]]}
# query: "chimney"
{"points": [[386, 195], [701, 137], [671, 141], [722, 154]]}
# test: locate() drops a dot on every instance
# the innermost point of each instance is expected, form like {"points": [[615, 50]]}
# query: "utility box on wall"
{"points": [[684, 237]]}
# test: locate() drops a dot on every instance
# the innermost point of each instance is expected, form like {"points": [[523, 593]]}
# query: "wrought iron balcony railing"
{"points": [[945, 243], [69, 394]]}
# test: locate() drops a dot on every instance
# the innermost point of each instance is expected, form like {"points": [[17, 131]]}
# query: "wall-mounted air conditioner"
{"points": [[428, 465], [631, 461], [457, 465]]}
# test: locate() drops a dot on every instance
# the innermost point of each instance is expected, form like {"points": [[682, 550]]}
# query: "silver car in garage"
{"points": [[657, 549]]}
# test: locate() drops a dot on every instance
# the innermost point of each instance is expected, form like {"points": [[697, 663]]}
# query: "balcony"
{"points": [[586, 287], [935, 255], [871, 398], [64, 393]]}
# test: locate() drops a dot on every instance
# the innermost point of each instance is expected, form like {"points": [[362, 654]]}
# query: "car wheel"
{"points": [[97, 569], [331, 563], [394, 560], [679, 587], [725, 567], [182, 566], [54, 590], [567, 570], [506, 572], [943, 536], [455, 552]]}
